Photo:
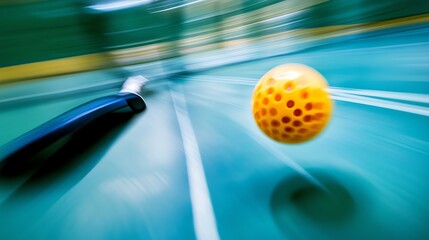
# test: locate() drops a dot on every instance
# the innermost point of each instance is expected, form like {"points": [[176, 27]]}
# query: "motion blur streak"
{"points": [[382, 103], [411, 97], [119, 5], [349, 95], [179, 6]]}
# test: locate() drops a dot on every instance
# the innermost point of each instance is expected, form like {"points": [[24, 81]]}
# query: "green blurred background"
{"points": [[40, 30]]}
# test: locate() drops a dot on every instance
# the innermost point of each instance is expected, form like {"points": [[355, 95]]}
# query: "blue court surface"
{"points": [[194, 165]]}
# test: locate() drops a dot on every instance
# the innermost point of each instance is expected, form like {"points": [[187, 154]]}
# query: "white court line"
{"points": [[411, 97], [382, 103], [202, 208]]}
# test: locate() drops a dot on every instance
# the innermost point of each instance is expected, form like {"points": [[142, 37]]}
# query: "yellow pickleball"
{"points": [[290, 103]]}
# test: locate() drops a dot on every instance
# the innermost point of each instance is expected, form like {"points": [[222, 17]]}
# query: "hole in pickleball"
{"points": [[297, 123], [290, 104], [297, 112], [265, 101], [257, 117], [304, 94], [264, 111], [264, 123], [270, 90], [275, 123], [273, 111], [289, 129], [307, 118], [278, 97], [318, 105], [308, 106], [318, 116], [288, 86], [285, 119]]}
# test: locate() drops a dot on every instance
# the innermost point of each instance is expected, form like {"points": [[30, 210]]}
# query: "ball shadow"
{"points": [[329, 203]]}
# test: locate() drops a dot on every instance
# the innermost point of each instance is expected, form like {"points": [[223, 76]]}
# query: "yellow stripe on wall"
{"points": [[52, 67], [373, 26]]}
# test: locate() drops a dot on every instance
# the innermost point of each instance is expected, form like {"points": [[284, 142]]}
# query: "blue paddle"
{"points": [[42, 136]]}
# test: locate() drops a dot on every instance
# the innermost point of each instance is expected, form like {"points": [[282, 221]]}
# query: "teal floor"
{"points": [[195, 165]]}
